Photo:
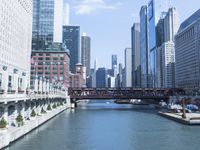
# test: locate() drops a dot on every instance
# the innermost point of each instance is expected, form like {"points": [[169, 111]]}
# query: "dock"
{"points": [[191, 118]]}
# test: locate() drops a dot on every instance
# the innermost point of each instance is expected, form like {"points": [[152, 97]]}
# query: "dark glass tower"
{"points": [[71, 38]]}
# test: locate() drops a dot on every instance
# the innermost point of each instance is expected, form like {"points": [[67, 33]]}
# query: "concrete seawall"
{"points": [[11, 134], [191, 119]]}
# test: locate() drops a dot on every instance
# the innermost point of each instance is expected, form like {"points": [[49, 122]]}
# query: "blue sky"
{"points": [[108, 23]]}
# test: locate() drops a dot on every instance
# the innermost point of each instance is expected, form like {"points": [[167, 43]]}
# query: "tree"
{"points": [[3, 123]]}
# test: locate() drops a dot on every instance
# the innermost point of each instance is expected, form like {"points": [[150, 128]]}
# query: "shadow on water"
{"points": [[93, 106]]}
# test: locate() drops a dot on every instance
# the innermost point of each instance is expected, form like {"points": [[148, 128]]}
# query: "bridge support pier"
{"points": [[73, 103]]}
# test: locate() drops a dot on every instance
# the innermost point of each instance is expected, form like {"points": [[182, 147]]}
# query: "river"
{"points": [[107, 126]]}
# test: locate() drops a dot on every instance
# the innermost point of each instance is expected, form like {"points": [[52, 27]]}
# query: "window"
{"points": [[9, 83]]}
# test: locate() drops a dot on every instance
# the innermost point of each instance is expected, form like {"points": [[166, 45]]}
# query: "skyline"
{"points": [[119, 16]]}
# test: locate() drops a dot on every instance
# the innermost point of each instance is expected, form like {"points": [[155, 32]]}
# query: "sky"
{"points": [[109, 22]]}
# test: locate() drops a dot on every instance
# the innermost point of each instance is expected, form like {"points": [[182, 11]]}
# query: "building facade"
{"points": [[128, 67], [47, 23], [15, 45], [114, 65], [135, 45], [144, 48], [79, 78], [86, 52], [187, 66], [101, 78], [51, 64], [71, 38]]}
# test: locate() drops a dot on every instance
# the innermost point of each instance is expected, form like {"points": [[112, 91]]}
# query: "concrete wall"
{"points": [[11, 134]]}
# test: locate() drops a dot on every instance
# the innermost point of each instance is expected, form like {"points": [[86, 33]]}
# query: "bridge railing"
{"points": [[122, 92]]}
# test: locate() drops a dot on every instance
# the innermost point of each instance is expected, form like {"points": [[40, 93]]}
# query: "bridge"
{"points": [[158, 94]]}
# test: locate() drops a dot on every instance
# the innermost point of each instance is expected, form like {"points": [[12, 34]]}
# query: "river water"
{"points": [[107, 126]]}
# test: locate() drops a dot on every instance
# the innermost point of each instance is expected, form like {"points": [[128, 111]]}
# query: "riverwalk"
{"points": [[191, 118], [11, 134]]}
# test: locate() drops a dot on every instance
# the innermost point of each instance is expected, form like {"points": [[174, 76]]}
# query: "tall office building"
{"points": [[136, 67], [171, 24], [159, 41], [101, 78], [85, 52], [152, 41], [114, 65], [187, 70], [47, 23], [119, 76], [15, 45], [144, 48], [71, 38], [128, 67]]}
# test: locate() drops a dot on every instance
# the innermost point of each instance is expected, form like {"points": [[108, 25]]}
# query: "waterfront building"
{"points": [[71, 38], [128, 67], [159, 48], [187, 66], [166, 29], [85, 52], [144, 48], [47, 23], [79, 78], [16, 98], [51, 64], [152, 40], [15, 46], [101, 78], [135, 43]]}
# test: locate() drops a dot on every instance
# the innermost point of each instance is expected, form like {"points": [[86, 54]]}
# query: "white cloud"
{"points": [[89, 6]]}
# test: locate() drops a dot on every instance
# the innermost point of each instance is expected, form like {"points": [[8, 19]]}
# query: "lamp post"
{"points": [[184, 113]]}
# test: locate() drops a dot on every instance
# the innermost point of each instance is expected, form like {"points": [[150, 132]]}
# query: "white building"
{"points": [[128, 67], [15, 45], [171, 25]]}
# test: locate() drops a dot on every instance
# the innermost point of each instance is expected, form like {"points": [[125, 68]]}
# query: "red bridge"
{"points": [[123, 93]]}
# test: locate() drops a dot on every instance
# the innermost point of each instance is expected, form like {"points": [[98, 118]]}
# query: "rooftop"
{"points": [[194, 17]]}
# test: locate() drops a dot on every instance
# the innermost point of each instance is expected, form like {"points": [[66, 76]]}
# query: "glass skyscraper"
{"points": [[135, 44], [47, 23], [71, 38], [152, 42], [144, 47], [114, 65]]}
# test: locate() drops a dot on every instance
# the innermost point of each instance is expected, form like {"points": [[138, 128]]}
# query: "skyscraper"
{"points": [[15, 45], [47, 23], [136, 67], [166, 29], [128, 67], [101, 78], [171, 24], [187, 70], [85, 52], [144, 48], [152, 41], [71, 38], [114, 65], [159, 41]]}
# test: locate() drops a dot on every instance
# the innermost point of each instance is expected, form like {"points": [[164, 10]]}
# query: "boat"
{"points": [[122, 101]]}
